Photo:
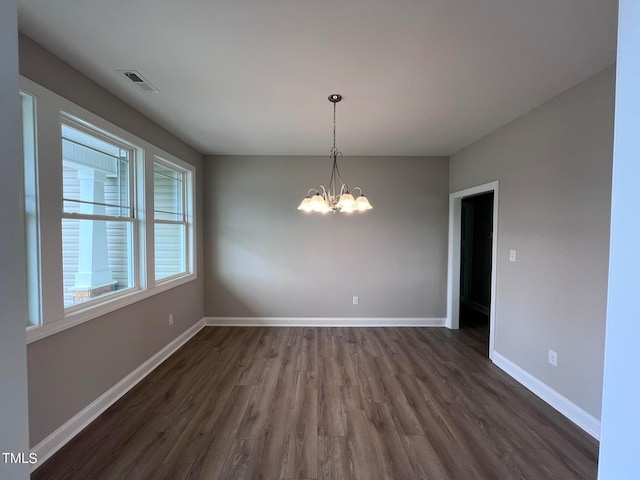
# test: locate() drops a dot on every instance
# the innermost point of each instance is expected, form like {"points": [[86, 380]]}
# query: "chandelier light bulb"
{"points": [[316, 203], [346, 202], [305, 205], [362, 203]]}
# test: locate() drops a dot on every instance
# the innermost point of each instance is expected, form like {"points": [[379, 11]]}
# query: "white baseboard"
{"points": [[56, 440], [324, 322], [50, 445], [577, 415]]}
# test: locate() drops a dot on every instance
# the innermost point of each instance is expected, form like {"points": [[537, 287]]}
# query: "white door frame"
{"points": [[453, 284]]}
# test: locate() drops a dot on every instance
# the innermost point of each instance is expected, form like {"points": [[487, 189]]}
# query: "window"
{"points": [[97, 216], [92, 246], [32, 231], [170, 219]]}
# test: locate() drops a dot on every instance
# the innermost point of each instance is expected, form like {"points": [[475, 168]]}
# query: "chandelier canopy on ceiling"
{"points": [[333, 198]]}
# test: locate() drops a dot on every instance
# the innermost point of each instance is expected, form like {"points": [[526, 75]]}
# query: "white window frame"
{"points": [[28, 106], [51, 109], [188, 189], [84, 127]]}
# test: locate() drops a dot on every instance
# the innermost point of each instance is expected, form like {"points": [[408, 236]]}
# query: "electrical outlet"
{"points": [[553, 358], [171, 319], [356, 300]]}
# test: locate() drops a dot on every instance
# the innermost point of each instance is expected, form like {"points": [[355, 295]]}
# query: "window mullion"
{"points": [[145, 197], [49, 151], [114, 205], [170, 222], [137, 203], [105, 218]]}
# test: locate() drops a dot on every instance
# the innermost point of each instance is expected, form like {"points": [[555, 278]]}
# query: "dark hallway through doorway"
{"points": [[475, 264]]}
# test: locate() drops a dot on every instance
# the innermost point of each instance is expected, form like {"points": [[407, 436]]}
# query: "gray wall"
{"points": [[265, 258], [13, 360], [620, 420], [69, 370], [554, 168]]}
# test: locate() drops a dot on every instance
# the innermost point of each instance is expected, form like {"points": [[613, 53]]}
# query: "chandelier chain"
{"points": [[334, 127]]}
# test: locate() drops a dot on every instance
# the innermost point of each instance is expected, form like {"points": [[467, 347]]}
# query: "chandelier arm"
{"points": [[357, 188]]}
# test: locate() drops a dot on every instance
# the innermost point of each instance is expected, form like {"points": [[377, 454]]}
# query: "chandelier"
{"points": [[334, 198]]}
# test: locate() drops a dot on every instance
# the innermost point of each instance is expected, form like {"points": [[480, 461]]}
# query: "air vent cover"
{"points": [[137, 78]]}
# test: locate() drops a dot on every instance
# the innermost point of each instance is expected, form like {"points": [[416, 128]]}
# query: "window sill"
{"points": [[38, 332]]}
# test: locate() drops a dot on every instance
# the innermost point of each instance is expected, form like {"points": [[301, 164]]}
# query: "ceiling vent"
{"points": [[137, 78]]}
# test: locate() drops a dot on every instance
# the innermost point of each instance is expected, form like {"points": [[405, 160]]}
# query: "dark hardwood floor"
{"points": [[328, 403]]}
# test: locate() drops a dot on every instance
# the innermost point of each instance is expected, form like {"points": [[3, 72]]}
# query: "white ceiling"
{"points": [[419, 77]]}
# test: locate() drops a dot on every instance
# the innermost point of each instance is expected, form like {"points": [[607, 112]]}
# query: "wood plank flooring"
{"points": [[328, 404]]}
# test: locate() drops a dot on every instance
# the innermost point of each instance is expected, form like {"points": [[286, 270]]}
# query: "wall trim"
{"points": [[573, 412], [453, 262], [324, 322], [56, 440]]}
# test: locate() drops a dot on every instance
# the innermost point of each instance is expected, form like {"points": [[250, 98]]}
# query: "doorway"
{"points": [[473, 242], [476, 236]]}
